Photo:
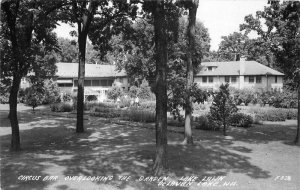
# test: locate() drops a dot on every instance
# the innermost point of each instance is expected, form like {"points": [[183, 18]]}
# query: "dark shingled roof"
{"points": [[91, 70], [233, 68]]}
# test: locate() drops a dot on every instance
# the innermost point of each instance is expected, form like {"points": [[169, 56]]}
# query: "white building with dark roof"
{"points": [[98, 78], [239, 74]]}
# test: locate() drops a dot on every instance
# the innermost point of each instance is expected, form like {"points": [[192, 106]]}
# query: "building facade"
{"points": [[239, 74], [98, 79]]}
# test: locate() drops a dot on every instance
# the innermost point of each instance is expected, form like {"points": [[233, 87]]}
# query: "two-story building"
{"points": [[239, 74], [98, 79]]}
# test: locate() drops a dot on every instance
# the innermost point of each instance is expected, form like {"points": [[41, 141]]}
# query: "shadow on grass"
{"points": [[51, 147]]}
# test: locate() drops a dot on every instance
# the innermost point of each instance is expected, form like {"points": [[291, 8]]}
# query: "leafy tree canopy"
{"points": [[278, 27]]}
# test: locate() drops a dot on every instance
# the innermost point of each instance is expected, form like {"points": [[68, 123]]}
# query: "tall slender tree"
{"points": [[83, 14], [192, 7], [99, 20], [282, 36], [25, 25], [161, 58]]}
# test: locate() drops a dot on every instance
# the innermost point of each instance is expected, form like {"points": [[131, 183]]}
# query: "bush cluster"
{"points": [[205, 122], [240, 120], [50, 93], [61, 107], [273, 114], [148, 105], [285, 99], [139, 115]]}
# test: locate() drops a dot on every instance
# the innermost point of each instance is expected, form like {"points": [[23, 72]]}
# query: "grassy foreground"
{"points": [[260, 157]]}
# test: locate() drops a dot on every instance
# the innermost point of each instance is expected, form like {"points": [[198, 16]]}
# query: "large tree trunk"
{"points": [[161, 88], [83, 28], [13, 117], [188, 138], [297, 140], [81, 73]]}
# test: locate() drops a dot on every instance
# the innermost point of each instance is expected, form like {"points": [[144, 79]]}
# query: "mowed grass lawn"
{"points": [[250, 158]]}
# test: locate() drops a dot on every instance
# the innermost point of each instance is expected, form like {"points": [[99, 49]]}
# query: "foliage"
{"points": [[90, 106], [51, 92], [114, 92], [206, 122], [139, 115], [272, 114], [134, 91], [91, 98], [280, 33], [67, 97], [240, 120], [178, 94], [148, 105], [285, 99], [222, 107], [233, 46], [4, 93], [34, 96], [145, 91], [61, 107]]}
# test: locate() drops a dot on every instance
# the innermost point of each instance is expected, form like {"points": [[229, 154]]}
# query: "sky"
{"points": [[221, 17]]}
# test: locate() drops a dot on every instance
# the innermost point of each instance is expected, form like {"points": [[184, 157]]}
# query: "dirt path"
{"points": [[248, 159]]}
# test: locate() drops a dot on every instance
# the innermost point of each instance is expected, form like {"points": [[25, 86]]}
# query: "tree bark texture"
{"points": [[13, 117], [188, 138], [161, 88], [83, 28], [297, 139], [81, 75]]}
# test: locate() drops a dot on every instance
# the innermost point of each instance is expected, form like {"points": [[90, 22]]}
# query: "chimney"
{"points": [[242, 65]]}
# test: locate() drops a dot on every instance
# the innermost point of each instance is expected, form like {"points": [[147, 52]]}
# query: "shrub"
{"points": [[106, 112], [291, 114], [125, 102], [240, 120], [148, 105], [114, 92], [67, 97], [34, 96], [61, 107], [243, 96], [134, 91], [222, 107], [22, 95], [51, 92], [144, 91], [91, 106], [273, 114], [205, 122], [139, 115], [91, 98], [4, 91]]}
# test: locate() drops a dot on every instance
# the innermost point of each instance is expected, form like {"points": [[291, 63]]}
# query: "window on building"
{"points": [[233, 79], [65, 84], [110, 82], [210, 79], [95, 83], [204, 79], [209, 68], [87, 82], [275, 79], [258, 79], [227, 79], [251, 79], [103, 82]]}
